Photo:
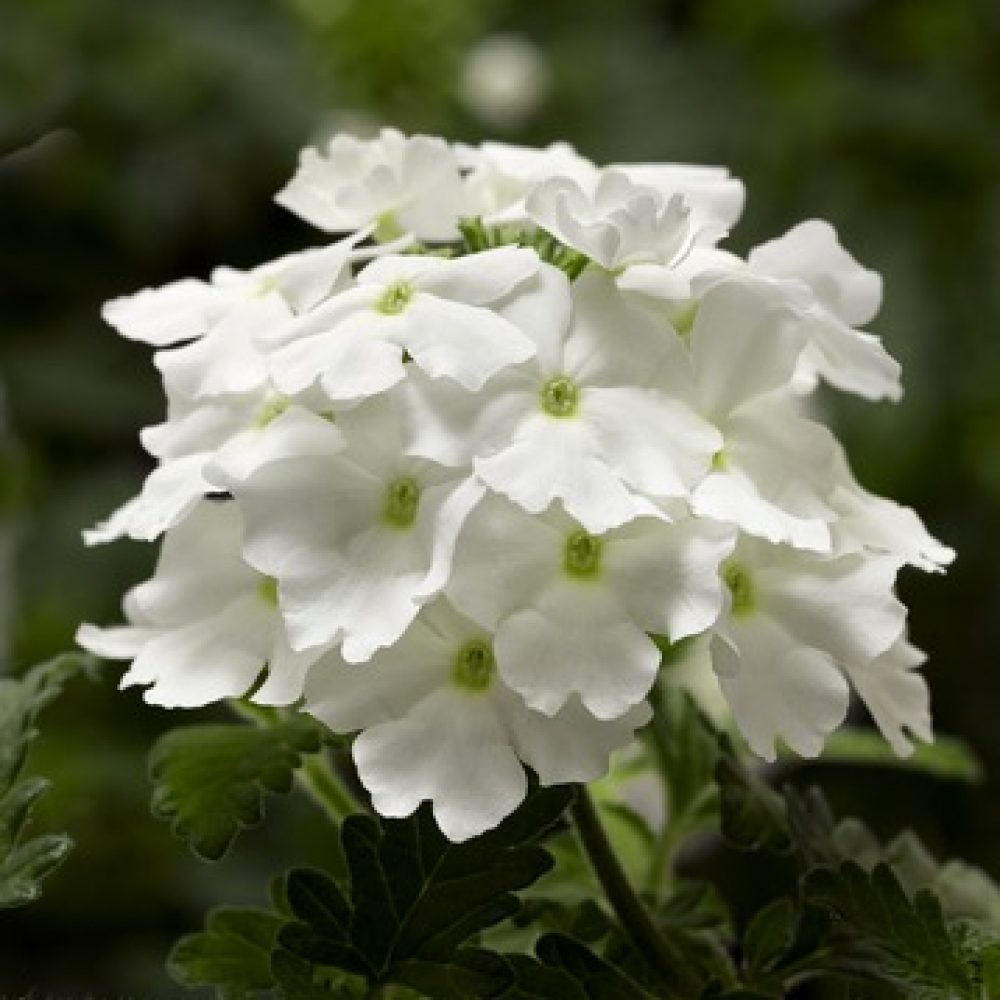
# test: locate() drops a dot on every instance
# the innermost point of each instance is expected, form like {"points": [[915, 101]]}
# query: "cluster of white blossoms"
{"points": [[447, 482]]}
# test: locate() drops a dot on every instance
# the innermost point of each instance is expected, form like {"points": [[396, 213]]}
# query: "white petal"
{"points": [[571, 745], [161, 316], [811, 252], [656, 444], [219, 656], [552, 458], [493, 577], [611, 342], [287, 670], [465, 343], [199, 569], [743, 347], [844, 606], [778, 688], [477, 279], [295, 433], [667, 575], [577, 641], [876, 524], [120, 642], [716, 199], [896, 696], [350, 697], [227, 359], [851, 360], [170, 492], [351, 362], [450, 749], [731, 496]]}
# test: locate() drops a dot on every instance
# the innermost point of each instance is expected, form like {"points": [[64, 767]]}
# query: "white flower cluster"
{"points": [[443, 481]]}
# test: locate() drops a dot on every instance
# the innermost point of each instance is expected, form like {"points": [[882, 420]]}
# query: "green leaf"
{"points": [[232, 954], [915, 948], [768, 936], [947, 757], [23, 864], [22, 869], [209, 780], [413, 896], [598, 979]]}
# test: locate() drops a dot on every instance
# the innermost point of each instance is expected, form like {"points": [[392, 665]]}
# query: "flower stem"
{"points": [[630, 909], [318, 780]]}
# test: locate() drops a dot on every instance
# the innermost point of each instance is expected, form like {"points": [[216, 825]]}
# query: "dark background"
{"points": [[144, 141]]}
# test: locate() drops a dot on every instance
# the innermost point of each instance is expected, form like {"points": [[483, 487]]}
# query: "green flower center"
{"points": [[267, 590], [582, 555], [474, 666], [719, 461], [387, 228], [683, 322], [402, 500], [560, 396], [271, 410], [395, 298], [741, 589]]}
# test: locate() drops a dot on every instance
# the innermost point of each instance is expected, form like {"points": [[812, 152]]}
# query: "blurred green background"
{"points": [[144, 141]]}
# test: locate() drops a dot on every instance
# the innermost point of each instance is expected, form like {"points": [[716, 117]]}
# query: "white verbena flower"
{"points": [[583, 422], [358, 534], [617, 223], [206, 624], [440, 312], [399, 184], [797, 626], [571, 610], [438, 723]]}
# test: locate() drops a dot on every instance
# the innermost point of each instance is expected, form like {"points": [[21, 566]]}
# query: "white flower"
{"points": [[616, 223], [206, 624], [571, 610], [499, 176], [188, 309], [714, 198], [218, 389], [795, 624], [440, 312], [401, 184], [582, 422], [834, 294], [440, 724], [358, 539], [771, 474]]}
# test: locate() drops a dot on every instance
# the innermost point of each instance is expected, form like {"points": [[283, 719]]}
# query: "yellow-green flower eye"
{"points": [[560, 397], [582, 555], [402, 501], [474, 666]]}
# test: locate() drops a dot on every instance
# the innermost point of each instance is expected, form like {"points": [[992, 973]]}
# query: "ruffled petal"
{"points": [[779, 689]]}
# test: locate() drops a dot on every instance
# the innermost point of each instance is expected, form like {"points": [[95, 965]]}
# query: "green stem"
{"points": [[318, 780], [631, 911]]}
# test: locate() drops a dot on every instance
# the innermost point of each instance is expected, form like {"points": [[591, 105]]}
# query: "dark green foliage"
{"points": [[414, 896], [233, 953], [209, 781], [911, 945], [24, 863], [753, 815]]}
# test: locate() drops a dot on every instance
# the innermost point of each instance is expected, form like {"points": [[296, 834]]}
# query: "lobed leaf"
{"points": [[209, 781], [413, 897]]}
